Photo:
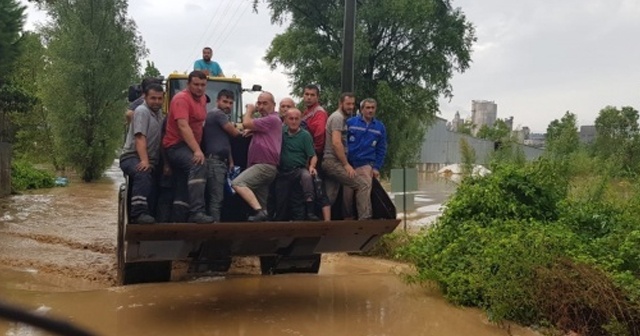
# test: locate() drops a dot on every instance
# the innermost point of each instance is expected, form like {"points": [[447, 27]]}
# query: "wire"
{"points": [[232, 20], [49, 324], [204, 32], [234, 27]]}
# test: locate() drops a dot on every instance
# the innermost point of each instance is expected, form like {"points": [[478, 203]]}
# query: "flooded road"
{"points": [[57, 257]]}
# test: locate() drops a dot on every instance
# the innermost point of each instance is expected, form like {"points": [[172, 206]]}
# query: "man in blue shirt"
{"points": [[206, 65], [366, 143]]}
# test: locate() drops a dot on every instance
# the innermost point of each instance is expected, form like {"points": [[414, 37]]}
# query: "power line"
{"points": [[232, 20], [235, 24], [204, 32]]}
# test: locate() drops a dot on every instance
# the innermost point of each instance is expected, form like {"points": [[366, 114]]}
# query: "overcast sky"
{"points": [[535, 58]]}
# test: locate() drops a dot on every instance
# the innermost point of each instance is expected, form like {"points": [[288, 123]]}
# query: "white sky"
{"points": [[535, 58]]}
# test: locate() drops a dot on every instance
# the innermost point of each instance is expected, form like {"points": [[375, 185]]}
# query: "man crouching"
{"points": [[297, 166], [263, 157]]}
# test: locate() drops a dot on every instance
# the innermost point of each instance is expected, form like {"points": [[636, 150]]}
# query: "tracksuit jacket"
{"points": [[366, 143]]}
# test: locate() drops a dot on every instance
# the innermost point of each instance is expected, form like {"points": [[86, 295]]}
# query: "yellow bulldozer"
{"points": [[145, 253]]}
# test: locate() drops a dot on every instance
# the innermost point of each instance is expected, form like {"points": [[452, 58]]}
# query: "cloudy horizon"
{"points": [[536, 59]]}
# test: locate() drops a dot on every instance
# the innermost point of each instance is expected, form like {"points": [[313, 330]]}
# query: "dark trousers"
{"points": [[216, 178], [181, 160], [141, 186], [292, 190]]}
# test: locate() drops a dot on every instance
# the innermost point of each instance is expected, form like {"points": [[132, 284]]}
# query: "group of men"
{"points": [[291, 147]]}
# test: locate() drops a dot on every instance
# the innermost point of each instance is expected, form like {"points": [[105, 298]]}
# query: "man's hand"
{"points": [[313, 171], [251, 108], [198, 157], [350, 171], [375, 173], [143, 166], [246, 133]]}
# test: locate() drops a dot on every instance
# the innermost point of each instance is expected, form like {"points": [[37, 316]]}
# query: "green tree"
{"points": [[406, 52], [11, 22], [93, 53], [562, 136], [498, 132], [12, 98], [618, 137], [34, 137], [150, 70]]}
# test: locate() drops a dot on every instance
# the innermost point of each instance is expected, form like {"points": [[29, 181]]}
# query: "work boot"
{"points": [[311, 212], [200, 218], [260, 216], [144, 219]]}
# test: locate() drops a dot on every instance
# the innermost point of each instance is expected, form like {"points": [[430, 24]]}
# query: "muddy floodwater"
{"points": [[57, 257]]}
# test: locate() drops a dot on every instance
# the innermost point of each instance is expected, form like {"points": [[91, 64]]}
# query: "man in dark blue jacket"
{"points": [[366, 143]]}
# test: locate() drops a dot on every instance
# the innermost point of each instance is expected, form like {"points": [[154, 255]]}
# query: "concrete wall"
{"points": [[5, 169], [441, 147]]}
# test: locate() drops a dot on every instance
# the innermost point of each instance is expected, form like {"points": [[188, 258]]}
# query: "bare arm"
{"points": [[231, 130], [338, 147], [187, 135], [128, 116], [247, 118], [141, 149], [312, 165]]}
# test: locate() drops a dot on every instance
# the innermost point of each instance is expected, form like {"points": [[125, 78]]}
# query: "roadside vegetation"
{"points": [[553, 243]]}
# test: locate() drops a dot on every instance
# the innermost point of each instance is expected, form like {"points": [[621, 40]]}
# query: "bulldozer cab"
{"points": [[178, 82]]}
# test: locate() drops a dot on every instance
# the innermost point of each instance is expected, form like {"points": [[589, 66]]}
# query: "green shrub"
{"points": [[530, 244], [25, 176]]}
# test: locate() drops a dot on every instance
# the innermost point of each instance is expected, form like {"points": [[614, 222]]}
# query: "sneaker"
{"points": [[260, 216], [144, 219], [200, 218]]}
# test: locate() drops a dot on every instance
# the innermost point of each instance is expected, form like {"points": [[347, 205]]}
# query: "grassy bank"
{"points": [[25, 176], [550, 244]]}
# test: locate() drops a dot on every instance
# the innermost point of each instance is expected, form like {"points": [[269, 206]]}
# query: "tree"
{"points": [[406, 52], [151, 71], [11, 22], [93, 54], [498, 132], [618, 137], [34, 137], [12, 98], [562, 136]]}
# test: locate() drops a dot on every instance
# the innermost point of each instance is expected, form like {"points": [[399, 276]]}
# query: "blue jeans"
{"points": [[141, 186], [181, 160]]}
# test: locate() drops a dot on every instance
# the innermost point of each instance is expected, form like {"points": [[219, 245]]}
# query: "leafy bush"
{"points": [[529, 243], [25, 176]]}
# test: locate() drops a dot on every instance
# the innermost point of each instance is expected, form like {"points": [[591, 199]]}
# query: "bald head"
{"points": [[292, 119], [266, 103], [285, 105]]}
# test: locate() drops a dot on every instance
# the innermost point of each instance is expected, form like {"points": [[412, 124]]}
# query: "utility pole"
{"points": [[348, 45]]}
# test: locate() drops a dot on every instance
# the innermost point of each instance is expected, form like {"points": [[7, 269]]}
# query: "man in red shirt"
{"points": [[181, 142], [314, 119]]}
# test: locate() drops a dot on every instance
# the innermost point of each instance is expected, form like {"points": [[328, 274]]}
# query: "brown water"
{"points": [[57, 257]]}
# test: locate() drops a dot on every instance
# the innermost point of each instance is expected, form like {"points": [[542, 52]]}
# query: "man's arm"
{"points": [[338, 147], [381, 152], [141, 148], [312, 165], [187, 135], [231, 129], [247, 118], [319, 126]]}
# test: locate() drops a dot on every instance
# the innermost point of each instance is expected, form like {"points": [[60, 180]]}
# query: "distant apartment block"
{"points": [[587, 134], [483, 112], [536, 140]]}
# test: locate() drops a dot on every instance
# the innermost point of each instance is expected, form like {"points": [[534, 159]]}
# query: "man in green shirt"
{"points": [[295, 174]]}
